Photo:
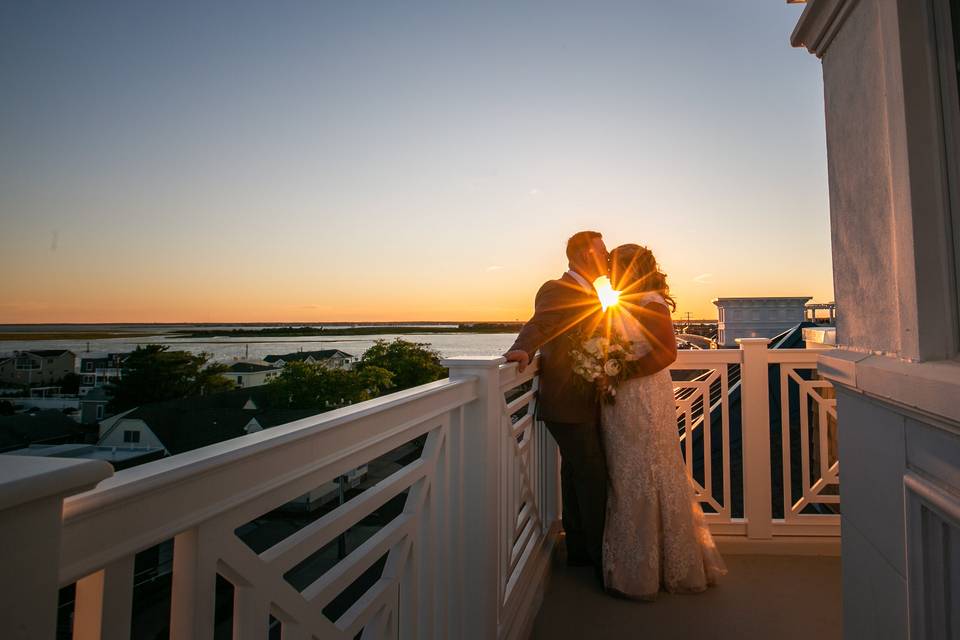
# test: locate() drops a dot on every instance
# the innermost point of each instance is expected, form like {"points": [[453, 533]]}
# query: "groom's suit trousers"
{"points": [[583, 477]]}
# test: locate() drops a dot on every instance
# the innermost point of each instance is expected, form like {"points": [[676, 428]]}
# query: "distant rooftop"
{"points": [[763, 299], [323, 354], [251, 367], [119, 457]]}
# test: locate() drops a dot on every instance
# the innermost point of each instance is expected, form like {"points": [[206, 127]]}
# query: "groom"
{"points": [[567, 403]]}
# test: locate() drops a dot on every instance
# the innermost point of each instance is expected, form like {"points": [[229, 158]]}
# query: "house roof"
{"points": [[250, 367], [323, 354], [23, 429], [191, 423], [48, 353], [103, 355], [97, 394]]}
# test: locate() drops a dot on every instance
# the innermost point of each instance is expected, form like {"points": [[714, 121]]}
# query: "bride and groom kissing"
{"points": [[606, 396]]}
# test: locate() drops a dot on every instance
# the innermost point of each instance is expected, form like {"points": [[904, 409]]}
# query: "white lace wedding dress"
{"points": [[655, 533]]}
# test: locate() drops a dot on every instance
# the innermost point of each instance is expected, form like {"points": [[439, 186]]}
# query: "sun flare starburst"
{"points": [[609, 297]]}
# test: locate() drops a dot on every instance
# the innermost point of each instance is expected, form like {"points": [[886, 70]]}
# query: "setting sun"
{"points": [[609, 297]]}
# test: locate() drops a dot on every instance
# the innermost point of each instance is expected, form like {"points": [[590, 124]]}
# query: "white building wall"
{"points": [[893, 122], [254, 379], [756, 317]]}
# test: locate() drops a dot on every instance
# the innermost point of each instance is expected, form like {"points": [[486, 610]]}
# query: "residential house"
{"points": [[100, 369], [757, 317], [119, 457], [332, 358], [93, 405], [251, 373], [190, 423], [39, 427], [40, 366]]}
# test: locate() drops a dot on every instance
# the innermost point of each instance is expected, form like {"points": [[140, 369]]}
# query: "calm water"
{"points": [[224, 349]]}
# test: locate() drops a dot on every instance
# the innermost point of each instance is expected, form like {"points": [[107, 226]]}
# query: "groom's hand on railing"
{"points": [[521, 357]]}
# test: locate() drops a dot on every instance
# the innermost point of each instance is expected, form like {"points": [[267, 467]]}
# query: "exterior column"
{"points": [[32, 490], [481, 495]]}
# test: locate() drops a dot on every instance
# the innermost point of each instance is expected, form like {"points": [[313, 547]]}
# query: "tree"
{"points": [[154, 373], [70, 384], [304, 385], [412, 363]]}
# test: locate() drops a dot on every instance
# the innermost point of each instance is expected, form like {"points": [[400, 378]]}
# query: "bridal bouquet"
{"points": [[604, 361]]}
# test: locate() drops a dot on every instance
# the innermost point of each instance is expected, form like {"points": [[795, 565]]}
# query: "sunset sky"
{"points": [[324, 161]]}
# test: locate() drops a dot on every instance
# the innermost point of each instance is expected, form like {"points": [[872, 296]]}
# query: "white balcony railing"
{"points": [[467, 553]]}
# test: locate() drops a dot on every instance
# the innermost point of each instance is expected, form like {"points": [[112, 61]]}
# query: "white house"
{"points": [[332, 358], [757, 317], [251, 373]]}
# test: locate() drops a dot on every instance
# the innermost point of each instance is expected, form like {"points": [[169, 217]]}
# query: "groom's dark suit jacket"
{"points": [[563, 307]]}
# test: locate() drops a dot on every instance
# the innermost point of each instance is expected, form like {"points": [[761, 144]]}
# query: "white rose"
{"points": [[592, 346], [611, 368]]}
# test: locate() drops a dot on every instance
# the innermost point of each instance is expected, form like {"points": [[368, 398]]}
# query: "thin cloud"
{"points": [[534, 192], [494, 267], [704, 278]]}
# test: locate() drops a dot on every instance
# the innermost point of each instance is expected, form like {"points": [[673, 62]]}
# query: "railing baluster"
{"points": [[193, 594], [293, 631], [104, 603], [786, 461], [251, 614], [440, 533], [755, 404]]}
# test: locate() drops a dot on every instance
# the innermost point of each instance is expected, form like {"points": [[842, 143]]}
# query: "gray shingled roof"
{"points": [[191, 423], [323, 354]]}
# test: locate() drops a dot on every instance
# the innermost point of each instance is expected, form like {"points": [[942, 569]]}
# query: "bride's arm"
{"points": [[658, 330]]}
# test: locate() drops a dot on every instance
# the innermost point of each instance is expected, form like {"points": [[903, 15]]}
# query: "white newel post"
{"points": [[481, 495], [755, 407], [32, 490]]}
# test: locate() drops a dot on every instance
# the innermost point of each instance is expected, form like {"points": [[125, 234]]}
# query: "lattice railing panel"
{"points": [[811, 468], [702, 391]]}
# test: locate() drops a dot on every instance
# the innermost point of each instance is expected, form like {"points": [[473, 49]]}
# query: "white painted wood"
{"points": [[251, 614], [153, 502], [290, 551], [102, 609], [482, 442], [756, 438], [933, 558], [193, 593], [32, 491]]}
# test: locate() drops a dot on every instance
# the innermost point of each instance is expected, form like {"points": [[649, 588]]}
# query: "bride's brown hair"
{"points": [[634, 271]]}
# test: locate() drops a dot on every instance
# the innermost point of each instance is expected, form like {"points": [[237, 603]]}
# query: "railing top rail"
{"points": [[144, 505], [174, 468], [794, 356], [688, 358], [510, 375]]}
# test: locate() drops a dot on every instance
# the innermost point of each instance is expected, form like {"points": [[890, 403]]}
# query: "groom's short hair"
{"points": [[579, 243]]}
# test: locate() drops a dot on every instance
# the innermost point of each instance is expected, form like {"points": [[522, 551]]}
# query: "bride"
{"points": [[655, 533]]}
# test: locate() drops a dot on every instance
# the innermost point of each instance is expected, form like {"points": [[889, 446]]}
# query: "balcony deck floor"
{"points": [[763, 597]]}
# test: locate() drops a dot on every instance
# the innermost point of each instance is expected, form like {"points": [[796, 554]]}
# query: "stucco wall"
{"points": [[861, 212]]}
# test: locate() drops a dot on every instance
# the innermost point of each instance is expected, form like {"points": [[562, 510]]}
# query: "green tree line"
{"points": [[153, 373]]}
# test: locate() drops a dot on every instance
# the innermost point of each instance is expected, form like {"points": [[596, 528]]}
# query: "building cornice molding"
{"points": [[819, 23], [927, 390]]}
